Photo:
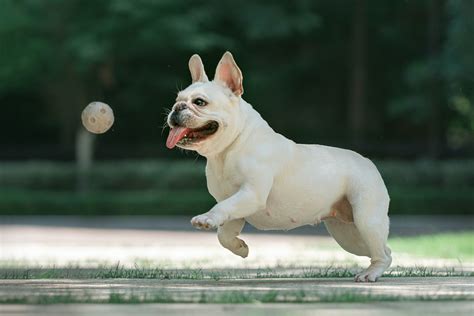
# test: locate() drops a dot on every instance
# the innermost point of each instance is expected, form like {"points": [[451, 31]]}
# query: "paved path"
{"points": [[320, 309], [172, 243], [284, 290]]}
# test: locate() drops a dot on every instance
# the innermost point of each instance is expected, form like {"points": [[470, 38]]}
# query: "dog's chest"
{"points": [[222, 180]]}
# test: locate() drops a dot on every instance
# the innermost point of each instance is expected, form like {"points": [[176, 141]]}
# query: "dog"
{"points": [[261, 177]]}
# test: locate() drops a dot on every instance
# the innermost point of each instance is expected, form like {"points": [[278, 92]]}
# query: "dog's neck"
{"points": [[248, 120]]}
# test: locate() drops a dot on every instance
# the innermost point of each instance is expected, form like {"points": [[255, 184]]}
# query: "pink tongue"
{"points": [[175, 135]]}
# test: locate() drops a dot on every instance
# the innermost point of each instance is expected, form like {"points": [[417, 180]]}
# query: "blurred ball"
{"points": [[97, 117]]}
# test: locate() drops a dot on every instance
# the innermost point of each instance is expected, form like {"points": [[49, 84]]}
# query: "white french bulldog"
{"points": [[258, 176]]}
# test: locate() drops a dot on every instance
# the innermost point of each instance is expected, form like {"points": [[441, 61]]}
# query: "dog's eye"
{"points": [[199, 102]]}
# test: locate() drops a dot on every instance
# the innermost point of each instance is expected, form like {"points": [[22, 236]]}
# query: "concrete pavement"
{"points": [[320, 309], [171, 243], [210, 291]]}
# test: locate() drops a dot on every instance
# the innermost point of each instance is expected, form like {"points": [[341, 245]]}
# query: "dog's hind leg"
{"points": [[366, 235], [347, 236], [370, 211], [227, 235]]}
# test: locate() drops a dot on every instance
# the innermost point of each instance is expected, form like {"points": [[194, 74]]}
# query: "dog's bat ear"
{"points": [[196, 68], [229, 74]]}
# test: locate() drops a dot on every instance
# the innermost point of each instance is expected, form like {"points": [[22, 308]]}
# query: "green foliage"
{"points": [[56, 56], [428, 173], [459, 69], [439, 84], [105, 176]]}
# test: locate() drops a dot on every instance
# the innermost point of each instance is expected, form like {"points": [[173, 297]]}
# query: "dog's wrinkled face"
{"points": [[205, 117]]}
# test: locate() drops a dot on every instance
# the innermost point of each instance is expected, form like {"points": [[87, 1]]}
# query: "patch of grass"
{"points": [[120, 272], [237, 297], [447, 245], [227, 297]]}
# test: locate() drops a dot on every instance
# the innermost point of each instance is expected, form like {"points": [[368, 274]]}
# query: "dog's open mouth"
{"points": [[188, 136]]}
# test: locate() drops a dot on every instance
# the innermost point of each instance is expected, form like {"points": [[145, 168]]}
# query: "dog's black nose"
{"points": [[180, 106], [174, 118]]}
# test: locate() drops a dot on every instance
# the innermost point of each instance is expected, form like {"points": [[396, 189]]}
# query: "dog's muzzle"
{"points": [[176, 118]]}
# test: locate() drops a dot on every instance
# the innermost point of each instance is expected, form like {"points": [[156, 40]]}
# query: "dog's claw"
{"points": [[367, 276]]}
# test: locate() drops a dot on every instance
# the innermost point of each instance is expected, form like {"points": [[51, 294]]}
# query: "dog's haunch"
{"points": [[97, 117]]}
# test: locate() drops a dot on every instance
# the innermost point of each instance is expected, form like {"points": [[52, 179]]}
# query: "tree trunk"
{"points": [[84, 157]]}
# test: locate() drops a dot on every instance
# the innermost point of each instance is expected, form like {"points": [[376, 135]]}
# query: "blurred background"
{"points": [[393, 80]]}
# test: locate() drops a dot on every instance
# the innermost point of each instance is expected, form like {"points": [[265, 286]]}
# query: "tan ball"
{"points": [[97, 117]]}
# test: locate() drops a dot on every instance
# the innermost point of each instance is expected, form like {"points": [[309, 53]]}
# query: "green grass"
{"points": [[447, 245], [120, 272], [226, 297]]}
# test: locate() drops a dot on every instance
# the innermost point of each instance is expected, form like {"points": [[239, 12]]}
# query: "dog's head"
{"points": [[206, 115]]}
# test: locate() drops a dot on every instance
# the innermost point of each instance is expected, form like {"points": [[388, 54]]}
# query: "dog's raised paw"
{"points": [[204, 221], [242, 250]]}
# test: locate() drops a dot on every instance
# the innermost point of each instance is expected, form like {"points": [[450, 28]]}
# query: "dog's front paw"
{"points": [[204, 221]]}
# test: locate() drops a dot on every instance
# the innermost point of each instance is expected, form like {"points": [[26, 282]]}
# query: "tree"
{"points": [[397, 72], [459, 73], [357, 103]]}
